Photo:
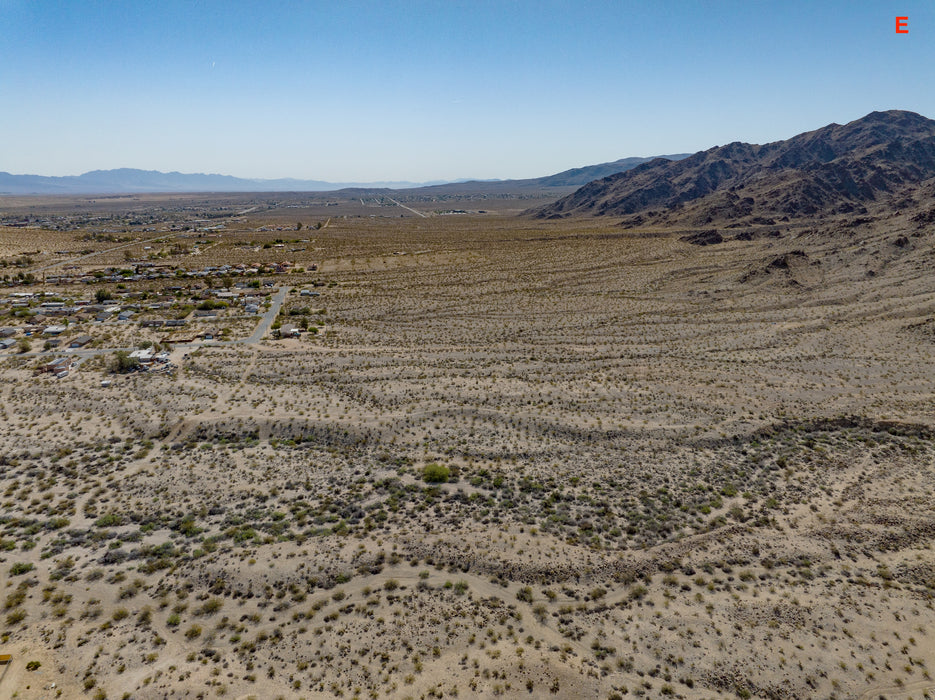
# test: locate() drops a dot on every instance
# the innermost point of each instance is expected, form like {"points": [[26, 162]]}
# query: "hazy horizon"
{"points": [[422, 91], [205, 174]]}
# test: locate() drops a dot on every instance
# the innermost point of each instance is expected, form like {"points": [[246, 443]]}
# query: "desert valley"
{"points": [[661, 432]]}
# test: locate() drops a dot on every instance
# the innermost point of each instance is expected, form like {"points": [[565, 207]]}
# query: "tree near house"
{"points": [[123, 363]]}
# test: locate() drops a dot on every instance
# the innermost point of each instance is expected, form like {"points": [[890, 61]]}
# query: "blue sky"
{"points": [[363, 91]]}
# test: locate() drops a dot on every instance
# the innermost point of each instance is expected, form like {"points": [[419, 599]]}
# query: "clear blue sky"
{"points": [[361, 91]]}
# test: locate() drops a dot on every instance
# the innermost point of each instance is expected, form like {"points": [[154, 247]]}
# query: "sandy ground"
{"points": [[673, 471]]}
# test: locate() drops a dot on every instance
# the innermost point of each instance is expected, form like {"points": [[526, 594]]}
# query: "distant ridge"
{"points": [[134, 181], [582, 176], [833, 170]]}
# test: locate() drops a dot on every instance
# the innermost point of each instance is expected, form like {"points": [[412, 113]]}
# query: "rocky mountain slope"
{"points": [[833, 170]]}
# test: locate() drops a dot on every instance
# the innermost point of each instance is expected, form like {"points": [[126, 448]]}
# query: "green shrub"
{"points": [[21, 567], [434, 473], [638, 591], [109, 520], [211, 606]]}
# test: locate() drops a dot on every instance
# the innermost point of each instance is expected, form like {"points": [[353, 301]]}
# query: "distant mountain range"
{"points": [[130, 180], [833, 170], [580, 176]]}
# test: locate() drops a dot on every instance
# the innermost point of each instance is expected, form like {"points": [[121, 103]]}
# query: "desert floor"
{"points": [[673, 471]]}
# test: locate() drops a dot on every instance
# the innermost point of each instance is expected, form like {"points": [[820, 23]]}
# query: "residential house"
{"points": [[56, 365]]}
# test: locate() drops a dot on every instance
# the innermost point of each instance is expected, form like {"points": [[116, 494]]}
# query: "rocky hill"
{"points": [[833, 170]]}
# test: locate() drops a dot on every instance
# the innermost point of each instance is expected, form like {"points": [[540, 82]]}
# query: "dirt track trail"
{"points": [[101, 252], [898, 692]]}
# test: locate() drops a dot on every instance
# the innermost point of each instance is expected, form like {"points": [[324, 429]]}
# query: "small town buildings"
{"points": [[58, 311], [80, 341], [57, 365]]}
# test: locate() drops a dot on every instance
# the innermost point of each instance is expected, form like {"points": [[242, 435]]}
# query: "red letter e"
{"points": [[902, 25]]}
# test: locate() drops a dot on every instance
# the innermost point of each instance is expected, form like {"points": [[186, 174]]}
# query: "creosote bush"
{"points": [[434, 473]]}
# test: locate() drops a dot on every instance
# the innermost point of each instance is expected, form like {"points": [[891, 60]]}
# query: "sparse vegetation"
{"points": [[543, 470]]}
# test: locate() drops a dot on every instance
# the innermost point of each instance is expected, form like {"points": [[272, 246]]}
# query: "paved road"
{"points": [[266, 320], [418, 213]]}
